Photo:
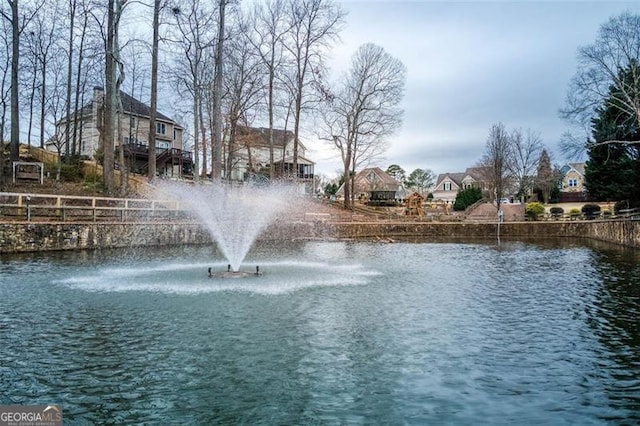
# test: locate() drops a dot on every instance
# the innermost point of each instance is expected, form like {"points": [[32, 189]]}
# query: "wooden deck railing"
{"points": [[66, 208]]}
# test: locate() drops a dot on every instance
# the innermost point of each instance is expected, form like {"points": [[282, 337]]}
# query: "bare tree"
{"points": [[113, 79], [81, 81], [46, 29], [18, 24], [525, 154], [194, 33], [5, 96], [73, 4], [269, 30], [313, 25], [216, 106], [244, 86], [599, 75], [495, 162], [364, 111]]}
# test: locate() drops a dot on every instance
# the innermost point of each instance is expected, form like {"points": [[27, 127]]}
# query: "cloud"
{"points": [[471, 65]]}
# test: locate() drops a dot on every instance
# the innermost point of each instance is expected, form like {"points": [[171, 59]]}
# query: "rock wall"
{"points": [[32, 237]]}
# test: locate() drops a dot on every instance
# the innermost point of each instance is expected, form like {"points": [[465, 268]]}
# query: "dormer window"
{"points": [[447, 186]]}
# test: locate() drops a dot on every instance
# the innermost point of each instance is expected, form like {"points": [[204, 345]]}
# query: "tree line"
{"points": [[603, 105], [223, 65]]}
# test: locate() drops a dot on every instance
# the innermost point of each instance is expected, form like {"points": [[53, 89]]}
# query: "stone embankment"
{"points": [[31, 237]]}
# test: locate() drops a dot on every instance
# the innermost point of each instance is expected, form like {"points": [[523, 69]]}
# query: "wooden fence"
{"points": [[65, 208]]}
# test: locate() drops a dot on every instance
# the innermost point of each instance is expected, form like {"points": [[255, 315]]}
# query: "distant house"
{"points": [[572, 188], [375, 187], [250, 156], [449, 184], [133, 138]]}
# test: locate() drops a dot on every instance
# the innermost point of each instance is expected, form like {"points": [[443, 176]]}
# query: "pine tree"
{"points": [[547, 179], [612, 172]]}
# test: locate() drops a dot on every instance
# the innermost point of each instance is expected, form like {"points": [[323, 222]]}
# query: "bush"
{"points": [[556, 212], [534, 210], [466, 198], [620, 205], [574, 213], [591, 211], [606, 213], [70, 173]]}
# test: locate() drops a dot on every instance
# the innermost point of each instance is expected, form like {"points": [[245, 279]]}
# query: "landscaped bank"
{"points": [[31, 237]]}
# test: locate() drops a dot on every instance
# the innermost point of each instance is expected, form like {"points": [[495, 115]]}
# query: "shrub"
{"points": [[574, 213], [591, 211], [70, 173], [620, 205], [556, 212], [606, 213], [467, 197], [534, 210]]}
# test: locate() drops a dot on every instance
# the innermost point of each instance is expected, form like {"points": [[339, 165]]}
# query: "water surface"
{"points": [[332, 333]]}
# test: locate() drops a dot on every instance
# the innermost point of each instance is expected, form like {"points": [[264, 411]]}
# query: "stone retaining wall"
{"points": [[31, 237]]}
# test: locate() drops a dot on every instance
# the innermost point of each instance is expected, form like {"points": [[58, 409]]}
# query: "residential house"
{"points": [[133, 138], [373, 186], [449, 184], [572, 188], [250, 157]]}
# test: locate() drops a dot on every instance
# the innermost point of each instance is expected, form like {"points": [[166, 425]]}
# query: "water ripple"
{"points": [[358, 333]]}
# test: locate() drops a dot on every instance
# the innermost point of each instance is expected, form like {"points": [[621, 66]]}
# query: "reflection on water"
{"points": [[333, 332]]}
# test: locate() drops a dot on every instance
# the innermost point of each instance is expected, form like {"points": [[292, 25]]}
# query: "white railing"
{"points": [[43, 207]]}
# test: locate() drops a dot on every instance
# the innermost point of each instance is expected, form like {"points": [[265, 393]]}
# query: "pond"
{"points": [[332, 333]]}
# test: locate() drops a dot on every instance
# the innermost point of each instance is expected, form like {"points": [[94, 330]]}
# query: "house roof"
{"points": [[455, 177], [130, 105], [258, 137], [476, 173], [578, 167], [373, 179], [133, 106]]}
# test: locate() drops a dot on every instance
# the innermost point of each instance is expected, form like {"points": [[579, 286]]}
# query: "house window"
{"points": [[447, 186], [161, 128], [132, 121], [175, 134], [573, 183]]}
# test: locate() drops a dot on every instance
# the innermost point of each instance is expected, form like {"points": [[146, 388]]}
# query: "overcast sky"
{"points": [[471, 65]]}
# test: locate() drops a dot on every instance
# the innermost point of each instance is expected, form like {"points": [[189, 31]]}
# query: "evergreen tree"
{"points": [[548, 178], [466, 198], [612, 172]]}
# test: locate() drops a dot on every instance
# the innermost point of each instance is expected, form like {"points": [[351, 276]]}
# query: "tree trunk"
{"points": [[67, 126], [109, 105], [196, 125], [32, 95], [347, 179], [77, 140], [154, 92], [271, 144], [15, 112], [43, 100], [217, 98]]}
